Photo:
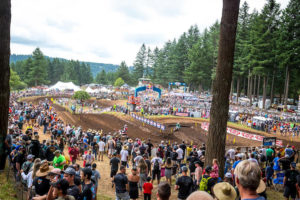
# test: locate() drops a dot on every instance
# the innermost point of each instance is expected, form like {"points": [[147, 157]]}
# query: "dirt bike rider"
{"points": [[177, 126]]}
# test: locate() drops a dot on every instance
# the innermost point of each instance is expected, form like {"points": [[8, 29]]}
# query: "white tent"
{"points": [[90, 90], [64, 86], [103, 89]]}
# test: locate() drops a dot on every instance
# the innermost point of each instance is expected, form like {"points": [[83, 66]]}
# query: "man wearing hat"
{"points": [[59, 160], [124, 155], [73, 190], [184, 184], [28, 164], [41, 182], [224, 191], [50, 151]]}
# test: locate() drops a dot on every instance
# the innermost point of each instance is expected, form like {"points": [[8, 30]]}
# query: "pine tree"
{"points": [[123, 72], [38, 70], [139, 63], [101, 78]]}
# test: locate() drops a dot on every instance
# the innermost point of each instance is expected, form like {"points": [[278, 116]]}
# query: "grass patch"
{"points": [[104, 197], [7, 188], [274, 195]]}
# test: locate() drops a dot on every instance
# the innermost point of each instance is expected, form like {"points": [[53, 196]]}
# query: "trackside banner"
{"points": [[149, 122], [242, 134]]}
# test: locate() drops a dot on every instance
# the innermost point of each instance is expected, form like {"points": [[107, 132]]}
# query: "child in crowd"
{"points": [[147, 189]]}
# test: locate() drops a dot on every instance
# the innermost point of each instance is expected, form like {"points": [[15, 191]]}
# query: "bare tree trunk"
{"points": [[250, 89], [231, 90], [248, 86], [258, 87], [265, 91], [238, 89], [244, 86], [272, 88], [287, 89], [284, 88], [5, 18], [221, 86], [254, 87]]}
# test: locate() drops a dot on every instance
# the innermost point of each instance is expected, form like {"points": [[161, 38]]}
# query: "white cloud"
{"points": [[107, 31]]}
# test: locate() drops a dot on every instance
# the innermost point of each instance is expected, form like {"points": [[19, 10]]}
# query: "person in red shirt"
{"points": [[147, 189]]}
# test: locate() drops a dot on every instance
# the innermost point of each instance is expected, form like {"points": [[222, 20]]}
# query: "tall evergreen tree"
{"points": [[123, 72], [38, 70], [139, 63]]}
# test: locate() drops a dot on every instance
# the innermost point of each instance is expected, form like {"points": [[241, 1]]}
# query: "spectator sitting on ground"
{"points": [[247, 179]]}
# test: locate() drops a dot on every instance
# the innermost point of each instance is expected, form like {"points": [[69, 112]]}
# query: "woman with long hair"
{"points": [[214, 174], [168, 170], [143, 170], [31, 175]]}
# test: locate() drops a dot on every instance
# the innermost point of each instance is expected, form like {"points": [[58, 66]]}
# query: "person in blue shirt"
{"points": [[239, 157], [276, 166], [269, 174]]}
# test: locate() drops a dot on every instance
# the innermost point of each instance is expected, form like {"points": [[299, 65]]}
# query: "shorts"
{"points": [[110, 151], [112, 173], [155, 174], [290, 191]]}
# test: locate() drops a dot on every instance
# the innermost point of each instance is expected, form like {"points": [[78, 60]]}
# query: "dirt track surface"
{"points": [[190, 131]]}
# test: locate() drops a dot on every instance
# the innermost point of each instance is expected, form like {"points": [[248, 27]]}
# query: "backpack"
{"points": [[118, 145], [174, 155], [156, 165], [203, 184]]}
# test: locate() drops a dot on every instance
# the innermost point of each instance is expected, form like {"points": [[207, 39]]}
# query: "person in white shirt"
{"points": [[156, 167], [89, 158], [231, 154], [124, 155], [101, 145], [179, 152], [252, 159]]}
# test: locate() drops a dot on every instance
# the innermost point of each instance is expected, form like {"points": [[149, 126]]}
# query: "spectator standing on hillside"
{"points": [[247, 179], [101, 145], [114, 166], [184, 184], [88, 188], [124, 155], [163, 191], [121, 182], [289, 181], [59, 160], [156, 163], [73, 190]]}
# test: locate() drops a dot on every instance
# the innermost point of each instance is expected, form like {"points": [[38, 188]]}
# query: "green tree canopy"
{"points": [[81, 95], [15, 81], [119, 82]]}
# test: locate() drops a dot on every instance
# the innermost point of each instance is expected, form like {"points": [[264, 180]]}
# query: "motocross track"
{"points": [[190, 130], [113, 123]]}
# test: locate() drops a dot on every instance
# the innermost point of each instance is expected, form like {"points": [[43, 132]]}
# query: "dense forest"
{"points": [[266, 63], [95, 67]]}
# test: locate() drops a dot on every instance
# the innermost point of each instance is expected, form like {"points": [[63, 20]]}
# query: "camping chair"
{"points": [[278, 181]]}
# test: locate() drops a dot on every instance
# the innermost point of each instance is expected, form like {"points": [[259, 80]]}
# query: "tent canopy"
{"points": [[64, 86]]}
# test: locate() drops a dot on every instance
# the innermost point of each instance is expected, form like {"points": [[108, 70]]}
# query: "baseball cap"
{"points": [[70, 171], [30, 156], [55, 171], [62, 184], [228, 175], [184, 169], [208, 169], [57, 151]]}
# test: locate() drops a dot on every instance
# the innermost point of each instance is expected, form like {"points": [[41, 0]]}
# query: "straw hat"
{"points": [[224, 191], [262, 187], [125, 147], [44, 169]]}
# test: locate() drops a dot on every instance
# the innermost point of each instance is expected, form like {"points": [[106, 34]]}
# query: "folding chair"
{"points": [[278, 181]]}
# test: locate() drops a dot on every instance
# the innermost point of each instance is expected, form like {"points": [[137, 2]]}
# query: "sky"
{"points": [[107, 31]]}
